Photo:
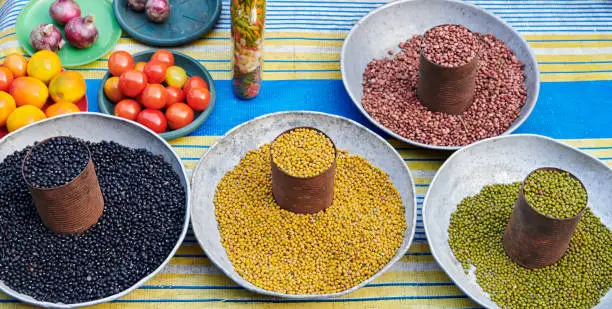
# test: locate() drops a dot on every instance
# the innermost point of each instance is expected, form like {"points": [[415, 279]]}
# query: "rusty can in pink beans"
{"points": [[447, 69], [390, 92]]}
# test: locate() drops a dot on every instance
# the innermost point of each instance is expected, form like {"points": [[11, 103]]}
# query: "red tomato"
{"points": [[153, 119], [153, 96], [179, 115], [198, 98], [164, 57], [120, 62], [156, 72], [194, 82], [174, 95], [128, 109], [6, 78], [132, 83], [111, 89]]}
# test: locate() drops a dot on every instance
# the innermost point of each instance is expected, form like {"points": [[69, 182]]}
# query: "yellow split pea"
{"points": [[303, 152], [327, 252]]}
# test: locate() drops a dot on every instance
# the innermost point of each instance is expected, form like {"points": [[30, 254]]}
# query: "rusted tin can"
{"points": [[71, 208], [304, 195], [448, 90], [534, 240]]}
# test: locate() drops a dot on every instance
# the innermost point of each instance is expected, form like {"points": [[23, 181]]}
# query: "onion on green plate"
{"points": [[109, 32]]}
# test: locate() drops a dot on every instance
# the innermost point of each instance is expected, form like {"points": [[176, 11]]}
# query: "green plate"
{"points": [[36, 12], [193, 68]]}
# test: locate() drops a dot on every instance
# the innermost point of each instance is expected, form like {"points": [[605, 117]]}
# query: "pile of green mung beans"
{"points": [[555, 193], [578, 280]]}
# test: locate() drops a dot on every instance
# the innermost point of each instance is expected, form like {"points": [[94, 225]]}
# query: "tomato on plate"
{"points": [[29, 91], [120, 62], [140, 66], [132, 83], [174, 95], [153, 96], [23, 116], [61, 108], [7, 106], [194, 82], [176, 77], [156, 72], [6, 78], [153, 119], [111, 89], [198, 98], [128, 109], [164, 57], [16, 63], [179, 115]]}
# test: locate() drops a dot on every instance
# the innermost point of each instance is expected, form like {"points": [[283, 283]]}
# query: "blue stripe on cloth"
{"points": [[565, 110]]}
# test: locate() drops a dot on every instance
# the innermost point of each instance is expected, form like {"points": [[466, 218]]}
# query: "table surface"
{"points": [[572, 40]]}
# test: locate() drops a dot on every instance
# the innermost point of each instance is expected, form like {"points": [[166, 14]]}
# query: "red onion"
{"points": [[62, 11], [137, 5], [158, 11], [81, 32], [46, 36]]}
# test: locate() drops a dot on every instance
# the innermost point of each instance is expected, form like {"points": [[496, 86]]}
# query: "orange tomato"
{"points": [[29, 91], [44, 65], [7, 106], [6, 78], [140, 66], [16, 63], [61, 108], [23, 116], [111, 89], [67, 86]]}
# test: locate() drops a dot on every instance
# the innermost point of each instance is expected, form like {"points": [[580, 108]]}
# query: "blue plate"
{"points": [[193, 68], [189, 20]]}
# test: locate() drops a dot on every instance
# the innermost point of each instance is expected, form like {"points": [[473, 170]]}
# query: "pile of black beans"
{"points": [[142, 221], [55, 162]]}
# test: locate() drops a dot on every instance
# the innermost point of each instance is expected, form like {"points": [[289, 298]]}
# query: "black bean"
{"points": [[143, 218]]}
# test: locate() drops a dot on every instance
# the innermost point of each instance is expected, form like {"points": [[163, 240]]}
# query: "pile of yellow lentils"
{"points": [[327, 252], [303, 152]]}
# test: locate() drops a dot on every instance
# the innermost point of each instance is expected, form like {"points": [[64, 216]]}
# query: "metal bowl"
{"points": [[504, 160], [227, 152], [97, 127], [385, 27]]}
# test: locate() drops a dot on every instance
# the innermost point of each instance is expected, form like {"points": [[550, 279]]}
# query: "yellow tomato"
{"points": [[7, 106], [67, 86], [29, 91], [176, 77], [16, 63], [23, 116], [44, 65], [60, 108]]}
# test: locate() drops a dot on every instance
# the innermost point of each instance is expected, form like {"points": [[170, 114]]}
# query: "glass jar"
{"points": [[248, 23]]}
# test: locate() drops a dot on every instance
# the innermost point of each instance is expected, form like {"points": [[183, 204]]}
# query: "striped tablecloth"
{"points": [[572, 40]]}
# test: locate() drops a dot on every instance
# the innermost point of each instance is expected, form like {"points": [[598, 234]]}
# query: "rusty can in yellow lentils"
{"points": [[555, 193], [303, 152], [330, 251], [578, 280]]}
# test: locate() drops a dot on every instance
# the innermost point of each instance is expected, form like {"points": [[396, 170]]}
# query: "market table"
{"points": [[572, 40]]}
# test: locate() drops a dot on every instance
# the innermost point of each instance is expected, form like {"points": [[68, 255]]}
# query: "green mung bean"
{"points": [[578, 280], [554, 193]]}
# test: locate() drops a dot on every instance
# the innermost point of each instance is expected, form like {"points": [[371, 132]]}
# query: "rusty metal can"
{"points": [[304, 195], [73, 207], [534, 240], [444, 89]]}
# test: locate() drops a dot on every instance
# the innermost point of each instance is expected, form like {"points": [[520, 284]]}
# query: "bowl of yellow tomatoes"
{"points": [[37, 88]]}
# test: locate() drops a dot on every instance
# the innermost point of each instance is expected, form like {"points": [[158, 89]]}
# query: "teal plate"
{"points": [[193, 68], [109, 32], [189, 20]]}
